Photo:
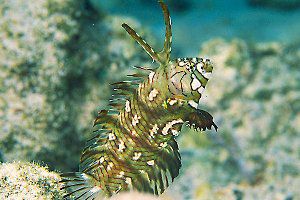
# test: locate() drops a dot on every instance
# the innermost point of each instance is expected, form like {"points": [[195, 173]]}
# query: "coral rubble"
{"points": [[28, 181]]}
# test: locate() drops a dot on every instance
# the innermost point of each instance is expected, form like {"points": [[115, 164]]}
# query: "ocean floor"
{"points": [[197, 21]]}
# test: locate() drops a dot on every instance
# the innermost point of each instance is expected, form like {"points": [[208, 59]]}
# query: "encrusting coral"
{"points": [[20, 180], [54, 60], [23, 180]]}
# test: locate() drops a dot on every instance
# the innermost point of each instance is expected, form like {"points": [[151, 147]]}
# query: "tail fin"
{"points": [[80, 186]]}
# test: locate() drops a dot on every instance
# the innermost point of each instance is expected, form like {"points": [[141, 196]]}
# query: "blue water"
{"points": [[206, 19]]}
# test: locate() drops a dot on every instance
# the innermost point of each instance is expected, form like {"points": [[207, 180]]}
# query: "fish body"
{"points": [[134, 146]]}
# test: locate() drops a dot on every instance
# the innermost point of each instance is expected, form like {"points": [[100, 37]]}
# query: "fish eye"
{"points": [[199, 66]]}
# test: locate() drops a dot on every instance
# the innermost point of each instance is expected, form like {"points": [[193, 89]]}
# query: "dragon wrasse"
{"points": [[134, 146]]}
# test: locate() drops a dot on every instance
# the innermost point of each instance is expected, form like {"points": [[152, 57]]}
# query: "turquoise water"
{"points": [[197, 21]]}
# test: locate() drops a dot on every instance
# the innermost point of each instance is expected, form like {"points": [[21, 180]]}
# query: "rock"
{"points": [[28, 181], [56, 61]]}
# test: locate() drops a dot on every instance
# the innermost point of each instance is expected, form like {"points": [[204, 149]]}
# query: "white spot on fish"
{"points": [[151, 76], [175, 132], [121, 146], [135, 120], [200, 67], [128, 180], [140, 88], [193, 104], [163, 144], [195, 84], [150, 162], [181, 63], [111, 136], [109, 166], [154, 130], [172, 101], [101, 160], [169, 125], [153, 94], [127, 106], [201, 90], [136, 155], [121, 174]]}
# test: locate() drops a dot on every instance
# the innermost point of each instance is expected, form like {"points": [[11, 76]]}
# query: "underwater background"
{"points": [[57, 58]]}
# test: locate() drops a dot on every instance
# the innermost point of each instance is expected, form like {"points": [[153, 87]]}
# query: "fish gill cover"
{"points": [[134, 146]]}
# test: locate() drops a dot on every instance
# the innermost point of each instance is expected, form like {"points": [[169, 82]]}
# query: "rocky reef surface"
{"points": [[20, 180], [56, 59], [23, 180]]}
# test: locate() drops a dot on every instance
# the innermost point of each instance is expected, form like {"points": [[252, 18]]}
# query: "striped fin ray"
{"points": [[142, 42], [165, 53], [124, 90], [154, 167], [80, 186], [143, 68], [104, 117], [164, 56]]}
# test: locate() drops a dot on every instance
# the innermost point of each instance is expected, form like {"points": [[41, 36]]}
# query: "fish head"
{"points": [[189, 76]]}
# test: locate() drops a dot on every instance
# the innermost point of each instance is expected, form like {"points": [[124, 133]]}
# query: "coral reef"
{"points": [[55, 57], [21, 180], [28, 181], [278, 4], [254, 95]]}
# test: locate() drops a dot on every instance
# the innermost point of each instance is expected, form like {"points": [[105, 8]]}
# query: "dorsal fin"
{"points": [[122, 90], [164, 56], [104, 117], [142, 42]]}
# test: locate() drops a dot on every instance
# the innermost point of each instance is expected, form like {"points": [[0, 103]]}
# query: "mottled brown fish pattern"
{"points": [[134, 146]]}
